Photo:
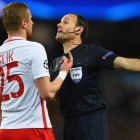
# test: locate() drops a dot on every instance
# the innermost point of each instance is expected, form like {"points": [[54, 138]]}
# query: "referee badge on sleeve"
{"points": [[76, 74]]}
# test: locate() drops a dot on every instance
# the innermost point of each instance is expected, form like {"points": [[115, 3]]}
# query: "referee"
{"points": [[81, 101]]}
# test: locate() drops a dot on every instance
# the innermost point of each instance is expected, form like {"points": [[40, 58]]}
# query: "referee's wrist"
{"points": [[62, 75]]}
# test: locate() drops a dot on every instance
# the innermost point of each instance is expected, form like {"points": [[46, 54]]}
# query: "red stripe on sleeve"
{"points": [[43, 113]]}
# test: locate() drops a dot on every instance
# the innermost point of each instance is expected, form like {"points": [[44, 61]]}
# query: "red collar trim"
{"points": [[10, 39]]}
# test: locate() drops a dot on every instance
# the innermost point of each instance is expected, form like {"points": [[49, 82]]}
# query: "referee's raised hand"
{"points": [[66, 63]]}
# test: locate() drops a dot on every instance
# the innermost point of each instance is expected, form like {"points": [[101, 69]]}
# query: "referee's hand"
{"points": [[66, 63]]}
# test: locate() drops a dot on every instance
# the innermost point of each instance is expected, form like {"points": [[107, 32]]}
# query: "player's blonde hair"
{"points": [[13, 14]]}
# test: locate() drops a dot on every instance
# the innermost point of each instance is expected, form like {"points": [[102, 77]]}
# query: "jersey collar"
{"points": [[14, 38], [74, 49]]}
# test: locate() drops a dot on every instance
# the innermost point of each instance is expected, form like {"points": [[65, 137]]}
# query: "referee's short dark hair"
{"points": [[81, 21]]}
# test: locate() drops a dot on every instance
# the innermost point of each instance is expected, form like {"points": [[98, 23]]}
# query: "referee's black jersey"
{"points": [[81, 90]]}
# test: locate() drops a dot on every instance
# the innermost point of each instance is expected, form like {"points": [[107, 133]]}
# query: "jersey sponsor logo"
{"points": [[107, 55], [46, 64], [76, 74]]}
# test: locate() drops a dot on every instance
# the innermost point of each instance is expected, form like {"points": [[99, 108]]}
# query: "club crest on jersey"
{"points": [[46, 64], [76, 74]]}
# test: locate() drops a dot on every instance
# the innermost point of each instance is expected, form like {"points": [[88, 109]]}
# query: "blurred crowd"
{"points": [[122, 95]]}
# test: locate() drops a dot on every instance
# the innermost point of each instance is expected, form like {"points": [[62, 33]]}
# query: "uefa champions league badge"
{"points": [[107, 55], [46, 64], [76, 74]]}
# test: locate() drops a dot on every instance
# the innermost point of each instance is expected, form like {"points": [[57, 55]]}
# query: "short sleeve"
{"points": [[39, 61], [101, 57]]}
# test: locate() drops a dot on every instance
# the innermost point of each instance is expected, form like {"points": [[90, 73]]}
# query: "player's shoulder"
{"points": [[35, 46]]}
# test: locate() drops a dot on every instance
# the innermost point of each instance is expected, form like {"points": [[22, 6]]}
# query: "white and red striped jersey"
{"points": [[21, 62]]}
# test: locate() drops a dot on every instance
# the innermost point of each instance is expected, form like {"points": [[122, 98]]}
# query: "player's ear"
{"points": [[23, 24]]}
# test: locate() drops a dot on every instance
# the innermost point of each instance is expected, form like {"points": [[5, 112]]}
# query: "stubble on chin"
{"points": [[57, 38]]}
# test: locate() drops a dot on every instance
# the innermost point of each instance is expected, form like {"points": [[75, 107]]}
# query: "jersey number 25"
{"points": [[10, 79]]}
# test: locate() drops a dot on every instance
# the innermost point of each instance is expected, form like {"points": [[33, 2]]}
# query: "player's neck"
{"points": [[18, 34]]}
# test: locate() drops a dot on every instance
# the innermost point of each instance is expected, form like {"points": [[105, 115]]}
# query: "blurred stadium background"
{"points": [[115, 25]]}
